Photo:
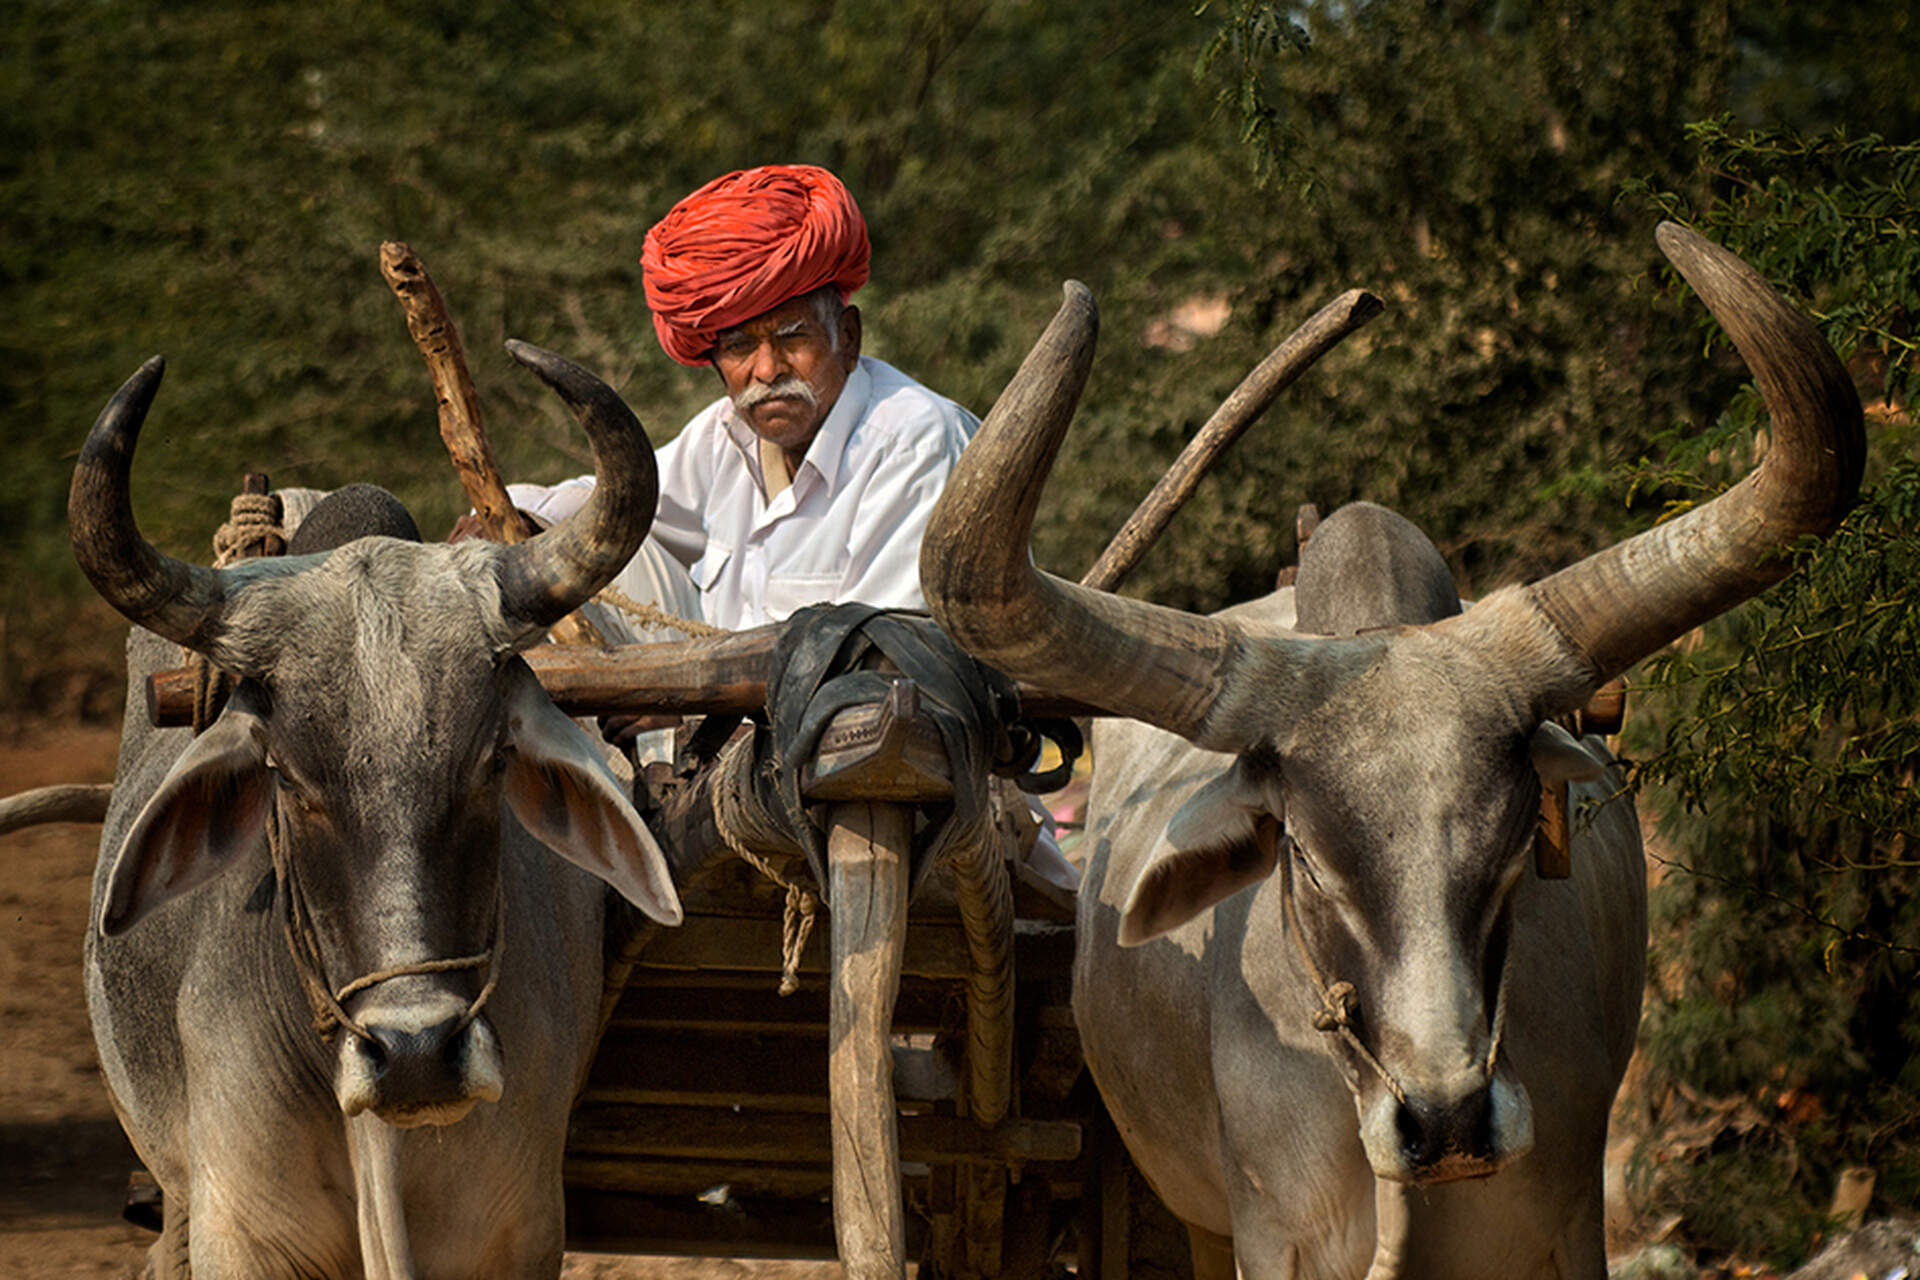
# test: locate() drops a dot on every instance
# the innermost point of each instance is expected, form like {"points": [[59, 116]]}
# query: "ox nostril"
{"points": [[373, 1052], [416, 1064], [1432, 1134]]}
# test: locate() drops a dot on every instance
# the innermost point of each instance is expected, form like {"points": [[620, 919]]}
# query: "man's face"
{"points": [[782, 371]]}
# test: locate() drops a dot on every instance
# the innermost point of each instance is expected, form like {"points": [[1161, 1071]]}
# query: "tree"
{"points": [[1785, 745]]}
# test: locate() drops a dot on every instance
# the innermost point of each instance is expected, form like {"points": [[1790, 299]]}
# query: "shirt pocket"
{"points": [[707, 569], [788, 593]]}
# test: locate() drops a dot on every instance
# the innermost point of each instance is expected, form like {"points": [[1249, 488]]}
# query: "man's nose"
{"points": [[768, 364]]}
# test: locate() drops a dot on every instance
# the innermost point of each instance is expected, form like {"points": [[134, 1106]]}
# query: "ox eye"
{"points": [[287, 787]]}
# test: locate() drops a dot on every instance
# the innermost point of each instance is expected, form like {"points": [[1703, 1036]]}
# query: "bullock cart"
{"points": [[904, 1082]]}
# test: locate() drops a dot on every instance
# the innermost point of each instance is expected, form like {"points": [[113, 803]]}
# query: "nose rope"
{"points": [[303, 944], [1338, 1001], [1500, 1004]]}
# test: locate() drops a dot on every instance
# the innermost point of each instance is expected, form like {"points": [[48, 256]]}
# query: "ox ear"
{"points": [[565, 795], [1224, 838], [212, 805], [1559, 757]]}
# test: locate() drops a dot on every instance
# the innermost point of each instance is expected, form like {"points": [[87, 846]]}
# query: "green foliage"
{"points": [[1788, 739]]}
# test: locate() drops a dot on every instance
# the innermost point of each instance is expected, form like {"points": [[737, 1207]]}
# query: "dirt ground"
{"points": [[63, 1159]]}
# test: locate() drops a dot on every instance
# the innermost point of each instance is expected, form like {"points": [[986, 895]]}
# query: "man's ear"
{"points": [[849, 336], [1224, 838], [211, 806]]}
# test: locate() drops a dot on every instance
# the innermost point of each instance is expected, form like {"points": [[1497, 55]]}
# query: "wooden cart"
{"points": [[844, 1118]]}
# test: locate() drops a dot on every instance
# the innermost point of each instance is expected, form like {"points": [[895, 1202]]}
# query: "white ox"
{"points": [[357, 841], [1342, 1027]]}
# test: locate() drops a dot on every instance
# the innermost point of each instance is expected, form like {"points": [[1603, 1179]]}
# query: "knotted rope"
{"points": [[303, 944], [743, 824], [252, 529], [1339, 1002]]}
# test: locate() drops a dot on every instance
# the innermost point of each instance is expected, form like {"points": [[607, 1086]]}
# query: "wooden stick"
{"points": [[439, 342], [868, 846], [1258, 390], [466, 440]]}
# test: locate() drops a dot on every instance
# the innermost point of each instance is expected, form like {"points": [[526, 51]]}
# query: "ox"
{"points": [[1341, 1028], [357, 841]]}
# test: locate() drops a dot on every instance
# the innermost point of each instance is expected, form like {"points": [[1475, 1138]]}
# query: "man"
{"points": [[810, 481]]}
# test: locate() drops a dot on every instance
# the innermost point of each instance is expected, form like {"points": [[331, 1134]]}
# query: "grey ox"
{"points": [[1341, 1025], [341, 992]]}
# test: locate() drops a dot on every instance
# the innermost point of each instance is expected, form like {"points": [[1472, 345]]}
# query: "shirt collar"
{"points": [[829, 445]]}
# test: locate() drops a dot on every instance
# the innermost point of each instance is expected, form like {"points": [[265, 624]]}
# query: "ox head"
{"points": [[1391, 778], [383, 725]]}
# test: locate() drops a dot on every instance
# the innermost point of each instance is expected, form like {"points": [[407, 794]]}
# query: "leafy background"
{"points": [[213, 180]]}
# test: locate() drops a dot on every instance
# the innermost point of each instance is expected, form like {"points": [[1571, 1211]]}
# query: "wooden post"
{"points": [[867, 854]]}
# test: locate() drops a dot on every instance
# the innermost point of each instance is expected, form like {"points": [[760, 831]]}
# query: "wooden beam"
{"points": [[705, 1068], [697, 1177], [1324, 330], [708, 675], [701, 1133], [656, 1001]]}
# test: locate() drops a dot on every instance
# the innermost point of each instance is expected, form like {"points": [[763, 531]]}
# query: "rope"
{"points": [[252, 529], [735, 808], [303, 944], [1338, 1002], [653, 616]]}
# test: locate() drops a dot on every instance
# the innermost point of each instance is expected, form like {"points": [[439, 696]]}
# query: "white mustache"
{"points": [[791, 387]]}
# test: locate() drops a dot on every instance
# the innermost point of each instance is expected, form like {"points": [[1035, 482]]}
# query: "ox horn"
{"points": [[1621, 604], [1130, 657], [547, 577], [182, 601]]}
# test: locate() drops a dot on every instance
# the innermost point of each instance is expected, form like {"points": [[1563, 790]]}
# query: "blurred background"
{"points": [[212, 182]]}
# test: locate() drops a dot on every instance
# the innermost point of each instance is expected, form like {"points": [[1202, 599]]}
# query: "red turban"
{"points": [[742, 245]]}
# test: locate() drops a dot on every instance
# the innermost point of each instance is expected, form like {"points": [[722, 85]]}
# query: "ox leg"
{"points": [[867, 851]]}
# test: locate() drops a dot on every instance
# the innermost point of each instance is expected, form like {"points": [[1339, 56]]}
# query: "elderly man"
{"points": [[811, 480]]}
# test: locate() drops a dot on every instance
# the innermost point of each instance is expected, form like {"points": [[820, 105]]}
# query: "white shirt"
{"points": [[849, 526]]}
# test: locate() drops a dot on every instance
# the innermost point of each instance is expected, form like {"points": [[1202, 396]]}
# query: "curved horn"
{"points": [[547, 577], [181, 601], [1133, 658], [1619, 605]]}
